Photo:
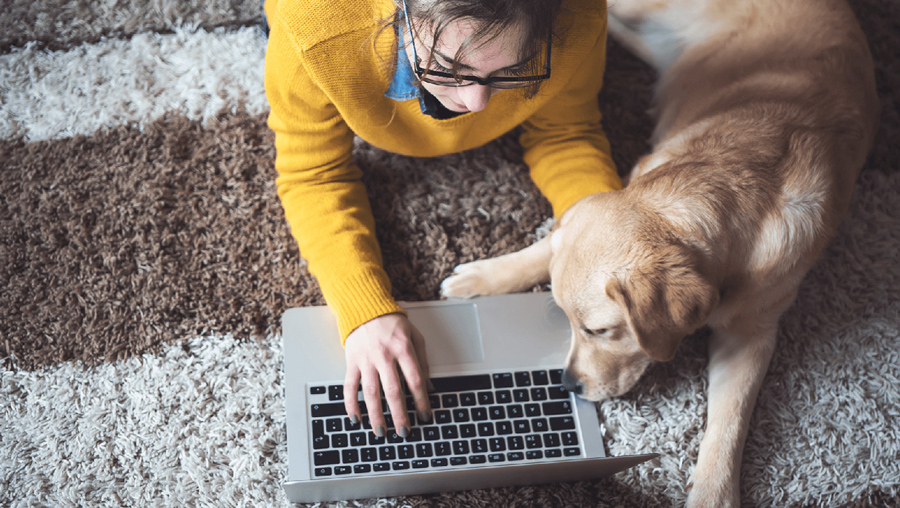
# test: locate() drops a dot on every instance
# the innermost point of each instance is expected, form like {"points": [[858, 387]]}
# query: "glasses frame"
{"points": [[468, 80]]}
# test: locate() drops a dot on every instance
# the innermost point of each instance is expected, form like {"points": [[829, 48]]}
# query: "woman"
{"points": [[422, 78]]}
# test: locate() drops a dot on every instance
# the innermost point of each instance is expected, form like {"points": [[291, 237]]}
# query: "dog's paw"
{"points": [[468, 280]]}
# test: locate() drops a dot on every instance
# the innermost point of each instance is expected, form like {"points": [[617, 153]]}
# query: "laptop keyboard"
{"points": [[485, 419]]}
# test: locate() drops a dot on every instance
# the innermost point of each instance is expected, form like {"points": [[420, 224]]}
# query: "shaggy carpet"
{"points": [[145, 264]]}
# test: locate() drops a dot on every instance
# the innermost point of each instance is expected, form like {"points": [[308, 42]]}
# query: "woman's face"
{"points": [[499, 56]]}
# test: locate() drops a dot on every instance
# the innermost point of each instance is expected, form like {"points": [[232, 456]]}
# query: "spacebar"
{"points": [[462, 383]]}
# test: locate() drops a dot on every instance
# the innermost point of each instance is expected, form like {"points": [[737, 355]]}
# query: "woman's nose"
{"points": [[475, 97]]}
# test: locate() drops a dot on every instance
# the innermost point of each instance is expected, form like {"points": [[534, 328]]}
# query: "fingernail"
{"points": [[354, 419], [424, 416], [379, 431], [403, 432]]}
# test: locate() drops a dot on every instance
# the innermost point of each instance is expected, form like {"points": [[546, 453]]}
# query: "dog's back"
{"points": [[766, 112]]}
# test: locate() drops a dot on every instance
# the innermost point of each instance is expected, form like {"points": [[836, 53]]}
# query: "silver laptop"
{"points": [[501, 414]]}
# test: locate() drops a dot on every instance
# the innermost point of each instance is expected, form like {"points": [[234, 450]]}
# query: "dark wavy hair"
{"points": [[491, 18]]}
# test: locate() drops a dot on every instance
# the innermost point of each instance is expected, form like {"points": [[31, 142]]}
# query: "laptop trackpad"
{"points": [[452, 333]]}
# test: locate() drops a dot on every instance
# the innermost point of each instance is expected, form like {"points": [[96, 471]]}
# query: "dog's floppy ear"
{"points": [[665, 299]]}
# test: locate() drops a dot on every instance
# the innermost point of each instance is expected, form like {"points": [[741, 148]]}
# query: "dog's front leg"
{"points": [[508, 273], [739, 357]]}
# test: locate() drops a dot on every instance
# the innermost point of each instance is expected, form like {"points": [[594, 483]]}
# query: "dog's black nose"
{"points": [[572, 384]]}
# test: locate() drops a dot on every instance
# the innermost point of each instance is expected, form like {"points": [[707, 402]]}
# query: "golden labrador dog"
{"points": [[766, 110]]}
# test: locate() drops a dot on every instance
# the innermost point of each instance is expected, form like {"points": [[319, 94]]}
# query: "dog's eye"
{"points": [[596, 332]]}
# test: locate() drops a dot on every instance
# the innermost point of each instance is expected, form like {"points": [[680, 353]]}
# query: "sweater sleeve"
{"points": [[566, 150], [321, 191]]}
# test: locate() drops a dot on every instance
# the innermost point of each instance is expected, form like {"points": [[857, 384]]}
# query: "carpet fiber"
{"points": [[145, 263]]}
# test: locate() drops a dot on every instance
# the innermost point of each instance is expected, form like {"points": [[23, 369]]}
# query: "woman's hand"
{"points": [[374, 351]]}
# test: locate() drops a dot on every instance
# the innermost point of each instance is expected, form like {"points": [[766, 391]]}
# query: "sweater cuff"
{"points": [[359, 298]]}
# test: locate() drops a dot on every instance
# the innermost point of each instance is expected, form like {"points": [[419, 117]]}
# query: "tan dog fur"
{"points": [[766, 112]]}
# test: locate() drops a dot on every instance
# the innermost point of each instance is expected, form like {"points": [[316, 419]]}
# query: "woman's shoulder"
{"points": [[313, 21]]}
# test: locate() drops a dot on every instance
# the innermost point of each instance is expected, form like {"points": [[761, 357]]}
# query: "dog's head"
{"points": [[630, 290]]}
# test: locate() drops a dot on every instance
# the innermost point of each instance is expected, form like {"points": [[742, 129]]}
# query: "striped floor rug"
{"points": [[145, 263]]}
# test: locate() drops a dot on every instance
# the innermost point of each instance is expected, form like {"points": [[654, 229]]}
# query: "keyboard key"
{"points": [[551, 440], [533, 441], [534, 455], [419, 464], [381, 466], [496, 457], [358, 439], [441, 417], [323, 471], [387, 453], [400, 466], [504, 428], [335, 392], [523, 379], [556, 376], [515, 411], [479, 414], [362, 468], [557, 393], [572, 452], [504, 380], [468, 399], [369, 454], [343, 470], [316, 390], [424, 450], [326, 458], [460, 415], [442, 448], [562, 423], [570, 439], [515, 442], [325, 410], [321, 442], [406, 452], [557, 408], [461, 447], [415, 435], [449, 400], [503, 396], [438, 462], [350, 456], [521, 395], [458, 461], [540, 425], [539, 393], [339, 441], [479, 446], [554, 453], [485, 398], [467, 431], [449, 432], [375, 440], [540, 377], [486, 429], [498, 444], [521, 426], [515, 456], [348, 425], [431, 433], [477, 459], [334, 425], [462, 383], [393, 437], [532, 410], [497, 413]]}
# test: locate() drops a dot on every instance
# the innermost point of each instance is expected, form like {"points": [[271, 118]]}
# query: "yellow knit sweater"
{"points": [[325, 79]]}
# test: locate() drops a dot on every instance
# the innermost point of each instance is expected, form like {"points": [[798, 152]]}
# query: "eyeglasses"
{"points": [[447, 79]]}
